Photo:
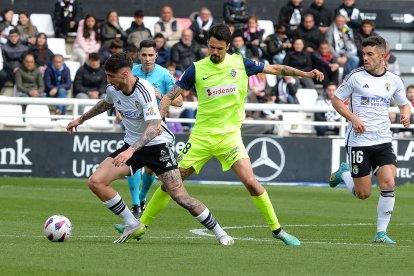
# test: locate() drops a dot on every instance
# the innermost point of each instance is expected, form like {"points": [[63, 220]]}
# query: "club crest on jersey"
{"points": [[388, 86], [136, 104], [222, 90], [355, 169], [233, 73]]}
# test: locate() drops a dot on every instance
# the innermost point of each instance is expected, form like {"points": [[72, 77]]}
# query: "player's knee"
{"points": [[388, 184], [94, 184], [363, 194]]}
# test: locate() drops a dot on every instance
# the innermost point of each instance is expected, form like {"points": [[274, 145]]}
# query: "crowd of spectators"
{"points": [[304, 38]]}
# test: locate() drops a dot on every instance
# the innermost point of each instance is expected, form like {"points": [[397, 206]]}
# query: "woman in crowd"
{"points": [[43, 55], [27, 30], [87, 39]]}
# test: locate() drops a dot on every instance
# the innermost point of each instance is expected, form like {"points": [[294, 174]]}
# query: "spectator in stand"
{"points": [[326, 62], [391, 62], [164, 52], [277, 44], [188, 113], [111, 31], [235, 13], [200, 27], [285, 90], [138, 32], [271, 114], [58, 81], [300, 59], [170, 28], [257, 83], [255, 115], [352, 15], [88, 39], [90, 79], [13, 52], [185, 52], [366, 29], [253, 35], [322, 15], [341, 41], [66, 17], [239, 47], [43, 55], [6, 25], [29, 81], [171, 66], [27, 30], [310, 34], [290, 16], [132, 52], [330, 116], [116, 47]]}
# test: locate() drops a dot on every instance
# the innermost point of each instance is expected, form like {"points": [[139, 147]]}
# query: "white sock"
{"points": [[349, 182], [210, 222], [385, 208], [119, 208]]}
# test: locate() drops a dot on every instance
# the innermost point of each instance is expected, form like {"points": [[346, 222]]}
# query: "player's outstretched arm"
{"points": [[168, 98], [97, 109], [405, 115], [178, 102], [150, 133], [283, 70]]}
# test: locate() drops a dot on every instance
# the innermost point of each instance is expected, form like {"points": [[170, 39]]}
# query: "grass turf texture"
{"points": [[336, 231]]}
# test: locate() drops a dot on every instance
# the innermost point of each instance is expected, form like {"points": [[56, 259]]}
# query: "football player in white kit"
{"points": [[146, 144], [368, 137]]}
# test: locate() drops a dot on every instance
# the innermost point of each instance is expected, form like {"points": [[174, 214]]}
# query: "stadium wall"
{"points": [[265, 9], [275, 159]]}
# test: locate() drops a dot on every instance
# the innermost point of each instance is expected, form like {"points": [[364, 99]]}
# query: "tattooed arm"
{"points": [[178, 102], [97, 109], [283, 70], [168, 98]]}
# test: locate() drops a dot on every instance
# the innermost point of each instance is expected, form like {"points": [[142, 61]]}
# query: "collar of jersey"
{"points": [[385, 71]]}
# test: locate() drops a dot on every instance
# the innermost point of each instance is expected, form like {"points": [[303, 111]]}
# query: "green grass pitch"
{"points": [[336, 231]]}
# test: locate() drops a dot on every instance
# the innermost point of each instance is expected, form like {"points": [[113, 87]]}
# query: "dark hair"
{"points": [[332, 83], [116, 44], [237, 33], [139, 13], [375, 40], [93, 56], [170, 64], [87, 32], [324, 42], [118, 61], [28, 54], [159, 35], [367, 22], [28, 30], [13, 31], [147, 43], [109, 13], [411, 86], [279, 28], [220, 32], [131, 48]]}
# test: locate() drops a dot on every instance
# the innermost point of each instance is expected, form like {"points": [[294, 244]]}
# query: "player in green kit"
{"points": [[221, 84]]}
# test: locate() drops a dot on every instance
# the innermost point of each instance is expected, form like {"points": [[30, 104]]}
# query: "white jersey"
{"points": [[369, 99], [136, 109]]}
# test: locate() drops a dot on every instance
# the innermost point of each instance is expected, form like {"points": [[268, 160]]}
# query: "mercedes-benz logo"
{"points": [[265, 162]]}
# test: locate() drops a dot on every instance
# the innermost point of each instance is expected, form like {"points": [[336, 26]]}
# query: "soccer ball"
{"points": [[58, 228]]}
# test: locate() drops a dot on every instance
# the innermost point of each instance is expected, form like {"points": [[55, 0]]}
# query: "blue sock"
{"points": [[133, 183], [146, 185]]}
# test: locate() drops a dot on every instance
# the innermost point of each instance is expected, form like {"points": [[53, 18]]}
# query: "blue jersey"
{"points": [[160, 77]]}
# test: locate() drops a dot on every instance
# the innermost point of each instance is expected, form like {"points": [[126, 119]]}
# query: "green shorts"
{"points": [[226, 148]]}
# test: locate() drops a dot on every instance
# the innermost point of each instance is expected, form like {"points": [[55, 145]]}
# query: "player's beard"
{"points": [[215, 58]]}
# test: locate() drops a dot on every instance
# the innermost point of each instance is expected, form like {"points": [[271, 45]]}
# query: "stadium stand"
{"points": [[11, 115], [58, 46], [38, 116], [44, 23]]}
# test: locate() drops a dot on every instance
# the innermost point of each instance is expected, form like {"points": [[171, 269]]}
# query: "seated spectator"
{"points": [[322, 15], [290, 16], [270, 114], [188, 113], [352, 15], [235, 13], [132, 52], [90, 80], [164, 52], [170, 28], [257, 84], [254, 115], [185, 52], [13, 52], [171, 66], [366, 29], [330, 116], [391, 62], [116, 47], [43, 55], [395, 118], [310, 34], [341, 41], [239, 47], [138, 32], [285, 90], [111, 31], [29, 80], [200, 27], [299, 59], [326, 62], [58, 81], [88, 39], [27, 31], [6, 25], [66, 17], [253, 35], [277, 44]]}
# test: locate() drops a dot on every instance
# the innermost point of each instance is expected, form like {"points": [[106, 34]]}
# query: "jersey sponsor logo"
{"points": [[150, 112], [222, 90], [131, 114], [372, 101], [232, 154], [233, 73]]}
